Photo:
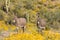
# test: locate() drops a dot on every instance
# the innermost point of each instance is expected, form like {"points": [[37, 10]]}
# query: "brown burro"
{"points": [[20, 22], [41, 23]]}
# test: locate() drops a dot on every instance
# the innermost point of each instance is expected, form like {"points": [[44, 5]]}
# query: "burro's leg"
{"points": [[20, 29], [23, 28], [41, 30]]}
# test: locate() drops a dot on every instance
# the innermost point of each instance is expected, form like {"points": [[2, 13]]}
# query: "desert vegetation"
{"points": [[29, 19]]}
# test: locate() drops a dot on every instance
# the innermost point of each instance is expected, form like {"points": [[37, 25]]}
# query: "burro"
{"points": [[20, 22]]}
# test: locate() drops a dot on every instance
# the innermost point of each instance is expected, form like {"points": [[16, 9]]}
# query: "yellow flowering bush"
{"points": [[25, 36], [29, 34]]}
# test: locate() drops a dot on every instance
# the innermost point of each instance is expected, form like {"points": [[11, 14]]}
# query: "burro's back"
{"points": [[20, 22], [43, 22]]}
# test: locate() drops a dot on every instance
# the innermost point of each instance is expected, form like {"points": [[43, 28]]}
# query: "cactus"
{"points": [[27, 17], [7, 4]]}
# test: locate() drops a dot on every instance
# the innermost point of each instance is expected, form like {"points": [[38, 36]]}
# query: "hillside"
{"points": [[30, 10]]}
